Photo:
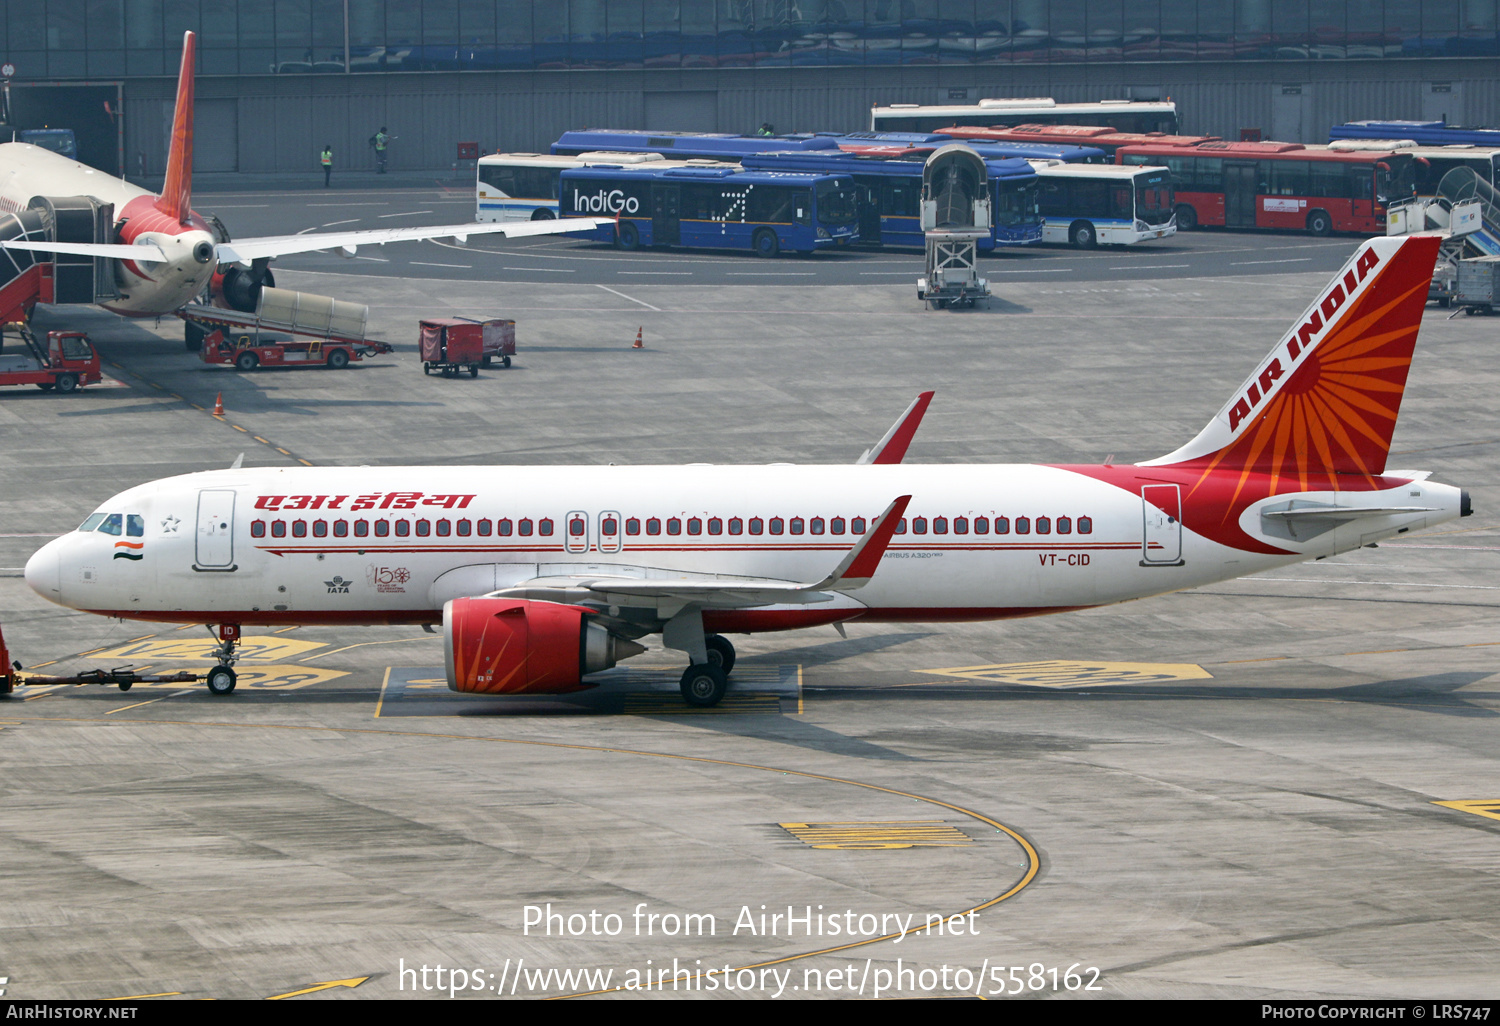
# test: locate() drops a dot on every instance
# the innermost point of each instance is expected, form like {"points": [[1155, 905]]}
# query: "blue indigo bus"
{"points": [[889, 193], [683, 145], [718, 208]]}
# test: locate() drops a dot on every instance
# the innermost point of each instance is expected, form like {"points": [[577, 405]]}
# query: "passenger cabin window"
{"points": [[1064, 525], [815, 525], [483, 528], [257, 528], [523, 527], [918, 525], [757, 525], [778, 525], [1002, 525], [465, 528], [403, 528], [715, 525], [695, 525], [576, 527], [1085, 525], [836, 525], [633, 526], [674, 525], [299, 528], [341, 528], [981, 525], [320, 529], [857, 525], [361, 529], [796, 525], [609, 526], [653, 525], [900, 526], [278, 529], [544, 527], [444, 528], [960, 525], [382, 528], [939, 525], [736, 525], [424, 528], [1043, 525], [503, 527], [1023, 525]]}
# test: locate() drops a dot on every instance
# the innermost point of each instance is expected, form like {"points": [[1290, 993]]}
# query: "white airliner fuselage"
{"points": [[392, 545]]}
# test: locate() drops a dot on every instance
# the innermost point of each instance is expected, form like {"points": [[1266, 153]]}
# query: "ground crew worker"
{"points": [[379, 141], [327, 160], [765, 129]]}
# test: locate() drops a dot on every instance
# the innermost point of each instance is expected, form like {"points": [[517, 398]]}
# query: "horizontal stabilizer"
{"points": [[141, 253], [245, 251]]}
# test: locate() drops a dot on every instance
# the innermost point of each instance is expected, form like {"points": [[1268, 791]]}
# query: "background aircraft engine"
{"points": [[513, 646], [239, 288]]}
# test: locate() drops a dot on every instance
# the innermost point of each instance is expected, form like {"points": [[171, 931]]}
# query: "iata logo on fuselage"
{"points": [[1303, 339]]}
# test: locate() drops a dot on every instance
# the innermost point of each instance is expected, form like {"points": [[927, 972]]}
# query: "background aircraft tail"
{"points": [[176, 197], [1324, 401]]}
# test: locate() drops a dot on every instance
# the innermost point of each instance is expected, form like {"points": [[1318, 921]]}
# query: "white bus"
{"points": [[1121, 115], [1084, 205], [1431, 163]]}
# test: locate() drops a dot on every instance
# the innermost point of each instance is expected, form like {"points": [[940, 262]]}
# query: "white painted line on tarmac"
{"points": [[678, 274], [349, 204], [424, 263], [334, 224], [1382, 584], [1288, 260], [543, 270], [622, 295], [1037, 270], [408, 213], [1145, 267], [238, 206], [763, 274], [377, 260], [903, 273]]}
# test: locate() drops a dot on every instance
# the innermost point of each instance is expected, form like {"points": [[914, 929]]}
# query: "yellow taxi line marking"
{"points": [[1232, 662], [238, 428], [195, 406], [305, 463], [384, 682], [137, 705], [353, 981], [143, 637], [137, 997], [1033, 859], [799, 689], [285, 629], [178, 397], [281, 450], [261, 440], [1488, 808]]}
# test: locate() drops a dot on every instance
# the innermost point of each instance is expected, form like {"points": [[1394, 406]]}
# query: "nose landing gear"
{"points": [[221, 679]]}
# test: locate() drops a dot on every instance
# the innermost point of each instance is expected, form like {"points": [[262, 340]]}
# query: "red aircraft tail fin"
{"points": [[176, 197], [1324, 401]]}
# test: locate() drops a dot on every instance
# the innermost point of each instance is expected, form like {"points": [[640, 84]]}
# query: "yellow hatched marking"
{"points": [[1063, 673], [880, 836], [1489, 808], [256, 648]]}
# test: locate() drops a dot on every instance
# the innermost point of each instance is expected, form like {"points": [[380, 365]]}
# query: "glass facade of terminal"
{"points": [[74, 39]]}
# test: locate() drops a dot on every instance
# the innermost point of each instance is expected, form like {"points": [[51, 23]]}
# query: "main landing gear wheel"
{"points": [[704, 684], [221, 680], [720, 652]]}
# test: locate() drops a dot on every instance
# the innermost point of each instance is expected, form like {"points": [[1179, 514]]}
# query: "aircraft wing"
{"points": [[267, 247], [854, 571], [142, 253]]}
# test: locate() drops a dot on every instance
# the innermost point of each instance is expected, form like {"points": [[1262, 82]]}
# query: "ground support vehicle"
{"points": [[68, 362], [451, 346], [333, 332], [1479, 284], [955, 213], [499, 336]]}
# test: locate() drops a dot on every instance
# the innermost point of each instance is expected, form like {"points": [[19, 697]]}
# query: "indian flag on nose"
{"points": [[129, 550]]}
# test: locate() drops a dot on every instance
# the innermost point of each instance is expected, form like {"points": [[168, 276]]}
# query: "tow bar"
{"points": [[123, 677]]}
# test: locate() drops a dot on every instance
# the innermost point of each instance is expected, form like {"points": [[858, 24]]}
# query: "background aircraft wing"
{"points": [[142, 253], [266, 247]]}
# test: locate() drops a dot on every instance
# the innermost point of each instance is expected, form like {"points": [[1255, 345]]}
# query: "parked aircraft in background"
{"points": [[542, 575], [161, 254]]}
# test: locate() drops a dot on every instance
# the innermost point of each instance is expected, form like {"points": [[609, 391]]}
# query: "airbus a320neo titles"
{"points": [[154, 252], [543, 575]]}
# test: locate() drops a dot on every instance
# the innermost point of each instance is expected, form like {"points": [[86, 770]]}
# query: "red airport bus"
{"points": [[1107, 139], [1281, 185]]}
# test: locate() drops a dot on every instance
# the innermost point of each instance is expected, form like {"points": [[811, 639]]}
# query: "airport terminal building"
{"points": [[279, 79]]}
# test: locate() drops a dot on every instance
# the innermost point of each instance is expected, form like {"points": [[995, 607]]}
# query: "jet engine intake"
{"points": [[238, 288], [516, 646]]}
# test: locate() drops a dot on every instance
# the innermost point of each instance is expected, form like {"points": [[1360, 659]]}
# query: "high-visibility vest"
{"points": [[328, 158]]}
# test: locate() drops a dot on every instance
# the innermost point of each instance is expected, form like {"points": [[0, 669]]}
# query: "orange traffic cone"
{"points": [[638, 344], [219, 405]]}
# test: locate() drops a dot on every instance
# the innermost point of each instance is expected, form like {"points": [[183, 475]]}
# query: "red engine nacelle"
{"points": [[513, 646]]}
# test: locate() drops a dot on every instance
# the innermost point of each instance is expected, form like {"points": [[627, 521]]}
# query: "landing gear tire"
{"points": [[220, 680], [703, 685], [720, 652], [247, 361], [338, 359]]}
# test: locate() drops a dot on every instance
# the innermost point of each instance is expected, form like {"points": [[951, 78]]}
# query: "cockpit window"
{"points": [[135, 525], [113, 524], [92, 522]]}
